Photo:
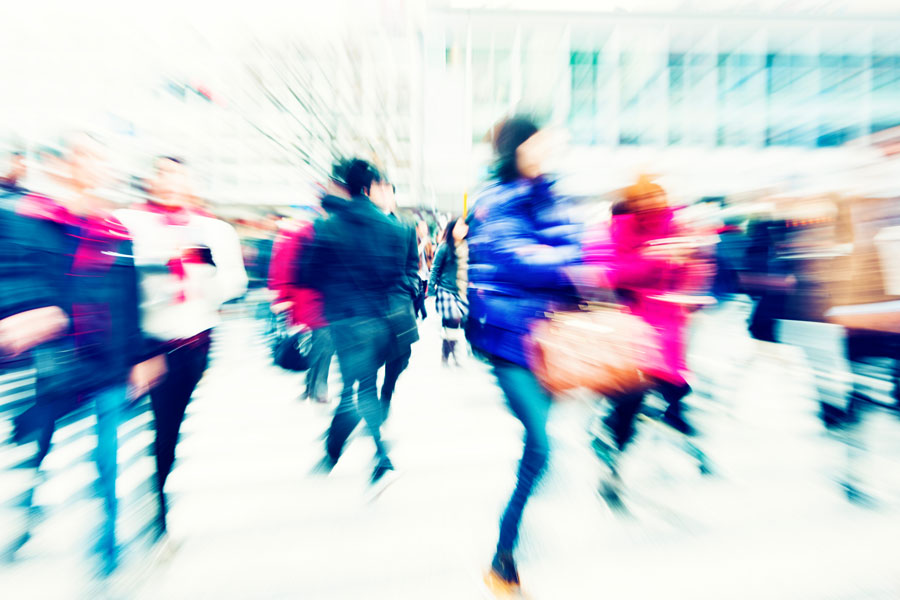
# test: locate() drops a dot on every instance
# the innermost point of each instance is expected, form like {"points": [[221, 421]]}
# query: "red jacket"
{"points": [[307, 307]]}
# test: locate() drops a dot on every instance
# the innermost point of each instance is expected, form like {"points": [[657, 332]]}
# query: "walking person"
{"points": [[448, 283], [71, 303], [653, 275], [519, 249], [189, 265], [426, 258], [303, 305], [404, 294], [358, 259]]}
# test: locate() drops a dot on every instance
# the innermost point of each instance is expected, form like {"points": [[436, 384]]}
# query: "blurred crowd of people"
{"points": [[109, 304]]}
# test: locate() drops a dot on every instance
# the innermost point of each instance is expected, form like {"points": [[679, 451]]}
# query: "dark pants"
{"points": [[392, 370], [530, 403], [361, 345], [419, 302], [626, 407], [109, 404], [319, 364], [185, 367]]}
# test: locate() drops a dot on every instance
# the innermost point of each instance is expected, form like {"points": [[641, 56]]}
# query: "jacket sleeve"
{"points": [[513, 253], [231, 275], [316, 263], [139, 348], [27, 279], [283, 268], [438, 268], [411, 274]]}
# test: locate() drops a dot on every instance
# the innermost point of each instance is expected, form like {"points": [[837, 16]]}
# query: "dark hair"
{"points": [[339, 171], [513, 134], [448, 233], [360, 177]]}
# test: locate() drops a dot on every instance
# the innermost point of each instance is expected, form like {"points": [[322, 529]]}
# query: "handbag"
{"points": [[600, 347], [291, 347]]}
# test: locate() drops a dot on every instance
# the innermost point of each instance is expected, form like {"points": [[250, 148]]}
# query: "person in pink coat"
{"points": [[642, 255]]}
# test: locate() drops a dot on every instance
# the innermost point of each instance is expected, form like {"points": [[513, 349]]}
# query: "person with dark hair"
{"points": [[189, 265], [70, 306], [520, 249], [448, 283], [361, 261]]}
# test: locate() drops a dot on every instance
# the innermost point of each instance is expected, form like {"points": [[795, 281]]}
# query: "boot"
{"points": [[452, 351], [503, 578], [445, 352]]}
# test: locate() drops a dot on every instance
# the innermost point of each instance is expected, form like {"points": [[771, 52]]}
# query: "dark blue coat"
{"points": [[520, 244]]}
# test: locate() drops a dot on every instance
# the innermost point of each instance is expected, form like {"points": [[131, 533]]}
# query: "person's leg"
{"points": [[344, 421], [109, 404], [673, 393], [320, 363], [169, 401], [392, 370], [530, 403], [620, 421]]}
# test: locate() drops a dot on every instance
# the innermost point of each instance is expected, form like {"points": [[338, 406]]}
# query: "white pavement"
{"points": [[254, 524]]}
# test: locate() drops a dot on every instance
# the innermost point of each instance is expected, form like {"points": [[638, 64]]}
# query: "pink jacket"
{"points": [[307, 308], [619, 250]]}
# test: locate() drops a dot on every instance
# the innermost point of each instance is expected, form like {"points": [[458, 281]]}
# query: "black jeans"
{"points": [[319, 364], [620, 422], [185, 367], [361, 344], [392, 370], [419, 302]]}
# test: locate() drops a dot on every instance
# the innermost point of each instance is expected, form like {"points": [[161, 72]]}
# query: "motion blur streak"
{"points": [[413, 299]]}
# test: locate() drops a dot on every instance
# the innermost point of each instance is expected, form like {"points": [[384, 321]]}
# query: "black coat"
{"points": [[365, 264], [36, 266]]}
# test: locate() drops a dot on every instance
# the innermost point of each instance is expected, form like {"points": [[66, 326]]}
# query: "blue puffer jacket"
{"points": [[520, 244]]}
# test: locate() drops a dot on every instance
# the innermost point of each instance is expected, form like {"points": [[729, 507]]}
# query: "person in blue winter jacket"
{"points": [[521, 251]]}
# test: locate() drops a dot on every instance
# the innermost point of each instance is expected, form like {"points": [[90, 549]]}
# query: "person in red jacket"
{"points": [[304, 305]]}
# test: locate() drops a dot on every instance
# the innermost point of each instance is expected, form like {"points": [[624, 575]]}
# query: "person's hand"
{"points": [[147, 375], [28, 329]]}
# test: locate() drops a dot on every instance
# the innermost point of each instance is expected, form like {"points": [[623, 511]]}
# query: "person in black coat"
{"points": [[359, 261], [74, 259]]}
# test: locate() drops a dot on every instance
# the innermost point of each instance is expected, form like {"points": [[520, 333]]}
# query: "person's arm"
{"points": [[231, 275], [29, 315], [438, 269], [148, 364], [411, 269], [516, 256]]}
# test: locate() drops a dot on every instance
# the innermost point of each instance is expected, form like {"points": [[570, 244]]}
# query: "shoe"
{"points": [[380, 472], [502, 580]]}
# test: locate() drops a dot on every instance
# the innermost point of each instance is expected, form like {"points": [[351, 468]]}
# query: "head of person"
{"points": [[521, 150], [422, 230], [456, 231], [337, 184], [169, 183], [83, 163], [16, 169], [644, 198], [361, 175], [382, 195]]}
